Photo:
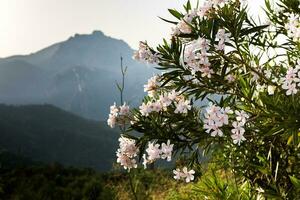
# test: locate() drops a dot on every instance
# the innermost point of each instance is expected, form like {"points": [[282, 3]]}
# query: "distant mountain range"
{"points": [[46, 134], [77, 75]]}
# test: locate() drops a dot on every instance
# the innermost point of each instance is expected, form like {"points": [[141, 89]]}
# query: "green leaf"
{"points": [[295, 181], [171, 22], [176, 14], [253, 30]]}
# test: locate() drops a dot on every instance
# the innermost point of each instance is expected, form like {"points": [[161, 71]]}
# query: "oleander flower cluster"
{"points": [[291, 80], [251, 73], [163, 101], [127, 153], [156, 151], [186, 174], [222, 37], [144, 53], [293, 26], [118, 115], [196, 57], [216, 117], [152, 86]]}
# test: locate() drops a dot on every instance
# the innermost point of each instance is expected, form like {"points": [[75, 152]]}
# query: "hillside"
{"points": [[48, 134], [77, 75]]}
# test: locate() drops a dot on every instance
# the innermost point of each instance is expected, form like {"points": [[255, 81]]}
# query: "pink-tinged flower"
{"points": [[152, 85], [145, 54], [156, 106], [125, 161], [204, 9], [206, 72], [184, 27], [291, 88], [128, 147], [230, 78], [178, 174], [238, 128], [165, 100], [223, 37], [112, 120], [114, 110], [173, 95], [166, 151], [215, 118], [153, 151], [188, 174], [145, 109], [183, 106], [216, 131], [241, 116], [124, 109], [126, 153], [238, 138]]}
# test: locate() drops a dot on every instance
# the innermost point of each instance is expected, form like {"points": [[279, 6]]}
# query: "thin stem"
{"points": [[132, 187]]}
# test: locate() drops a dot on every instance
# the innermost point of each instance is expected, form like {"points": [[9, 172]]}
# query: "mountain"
{"points": [[77, 75], [48, 134]]}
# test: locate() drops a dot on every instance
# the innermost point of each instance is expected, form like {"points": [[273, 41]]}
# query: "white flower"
{"points": [[173, 95], [112, 120], [125, 161], [145, 109], [242, 116], [156, 106], [188, 175], [152, 85], [166, 150], [126, 153], [238, 128], [206, 72], [124, 109], [293, 26], [153, 151], [183, 106], [128, 147], [203, 11], [145, 54], [215, 118], [238, 138], [230, 78], [183, 26], [178, 174], [165, 100], [223, 37], [116, 115], [291, 88], [114, 110], [216, 131], [238, 132], [271, 89]]}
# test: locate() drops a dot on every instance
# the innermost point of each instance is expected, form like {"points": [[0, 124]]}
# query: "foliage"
{"points": [[250, 73], [53, 182], [48, 134]]}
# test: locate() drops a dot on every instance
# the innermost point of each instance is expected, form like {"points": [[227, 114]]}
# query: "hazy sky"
{"points": [[30, 25]]}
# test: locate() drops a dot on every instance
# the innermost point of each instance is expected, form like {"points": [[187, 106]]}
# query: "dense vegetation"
{"points": [[48, 134], [252, 129]]}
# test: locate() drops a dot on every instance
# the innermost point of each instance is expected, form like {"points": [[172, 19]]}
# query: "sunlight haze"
{"points": [[30, 25]]}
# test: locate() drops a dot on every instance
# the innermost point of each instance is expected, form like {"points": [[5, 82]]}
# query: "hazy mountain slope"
{"points": [[48, 134], [77, 75]]}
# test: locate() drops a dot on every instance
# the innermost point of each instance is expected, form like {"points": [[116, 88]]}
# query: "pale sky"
{"points": [[30, 25]]}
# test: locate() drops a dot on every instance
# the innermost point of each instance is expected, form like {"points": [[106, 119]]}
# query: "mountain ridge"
{"points": [[77, 75]]}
